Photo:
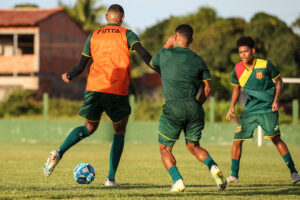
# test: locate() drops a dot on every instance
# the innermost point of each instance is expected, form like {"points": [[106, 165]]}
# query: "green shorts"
{"points": [[117, 107], [249, 122], [186, 115]]}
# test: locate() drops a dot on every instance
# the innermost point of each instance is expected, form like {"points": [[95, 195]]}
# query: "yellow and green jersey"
{"points": [[181, 72], [257, 83]]}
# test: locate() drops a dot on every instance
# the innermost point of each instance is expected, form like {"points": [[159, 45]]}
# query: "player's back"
{"points": [[110, 71], [182, 71]]}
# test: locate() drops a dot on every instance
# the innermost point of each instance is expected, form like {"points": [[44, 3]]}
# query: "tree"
{"points": [[85, 13], [26, 5]]}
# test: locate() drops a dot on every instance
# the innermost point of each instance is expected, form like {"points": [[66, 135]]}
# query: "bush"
{"points": [[21, 102]]}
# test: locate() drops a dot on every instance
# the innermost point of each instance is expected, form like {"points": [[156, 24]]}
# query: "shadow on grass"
{"points": [[129, 190]]}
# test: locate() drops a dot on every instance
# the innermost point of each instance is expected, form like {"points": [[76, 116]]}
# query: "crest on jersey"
{"points": [[259, 75], [238, 129]]}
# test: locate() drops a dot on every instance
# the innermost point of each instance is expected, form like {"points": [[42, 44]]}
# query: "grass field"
{"points": [[263, 173]]}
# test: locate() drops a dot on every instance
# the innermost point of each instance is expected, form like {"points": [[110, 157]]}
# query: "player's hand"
{"points": [[170, 42], [275, 106], [64, 78], [230, 113]]}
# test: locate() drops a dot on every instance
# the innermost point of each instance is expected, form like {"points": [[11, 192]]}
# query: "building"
{"points": [[36, 47]]}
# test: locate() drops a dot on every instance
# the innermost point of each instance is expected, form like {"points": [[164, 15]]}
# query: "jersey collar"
{"points": [[112, 24], [247, 67], [181, 47]]}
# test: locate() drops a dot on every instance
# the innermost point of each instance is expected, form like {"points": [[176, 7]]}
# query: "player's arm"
{"points": [[145, 55], [77, 69], [234, 98], [278, 88], [204, 91]]}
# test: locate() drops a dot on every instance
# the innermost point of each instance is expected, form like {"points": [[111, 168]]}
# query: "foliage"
{"points": [[26, 5], [21, 102], [86, 13], [215, 39]]}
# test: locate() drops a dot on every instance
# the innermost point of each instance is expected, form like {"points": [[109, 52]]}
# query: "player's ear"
{"points": [[106, 17], [253, 50]]}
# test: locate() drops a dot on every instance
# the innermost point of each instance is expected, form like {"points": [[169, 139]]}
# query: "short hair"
{"points": [[116, 8], [186, 31], [245, 41]]}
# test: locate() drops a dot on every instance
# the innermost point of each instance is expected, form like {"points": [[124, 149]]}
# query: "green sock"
{"points": [[289, 162], [174, 173], [235, 166], [209, 162], [75, 136], [115, 155]]}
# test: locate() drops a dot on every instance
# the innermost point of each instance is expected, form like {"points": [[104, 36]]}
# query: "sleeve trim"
{"points": [[276, 77], [235, 84], [206, 79], [85, 55], [131, 50]]}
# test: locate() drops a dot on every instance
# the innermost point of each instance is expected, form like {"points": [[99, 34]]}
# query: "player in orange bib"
{"points": [[106, 89]]}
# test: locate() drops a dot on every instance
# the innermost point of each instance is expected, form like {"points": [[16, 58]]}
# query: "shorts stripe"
{"points": [[242, 139], [165, 136], [191, 139], [270, 137]]}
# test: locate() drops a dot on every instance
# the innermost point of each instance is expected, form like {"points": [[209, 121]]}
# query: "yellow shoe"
{"points": [[218, 176], [178, 186]]}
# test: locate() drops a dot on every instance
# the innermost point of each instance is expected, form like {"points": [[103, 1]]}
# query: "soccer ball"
{"points": [[84, 173]]}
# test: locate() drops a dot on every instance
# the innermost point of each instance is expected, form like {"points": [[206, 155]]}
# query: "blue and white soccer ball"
{"points": [[84, 173]]}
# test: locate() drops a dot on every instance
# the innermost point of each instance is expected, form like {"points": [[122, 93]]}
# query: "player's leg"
{"points": [[89, 112], [202, 155], [118, 109], [169, 130], [193, 133], [244, 131], [169, 162], [116, 151], [270, 125]]}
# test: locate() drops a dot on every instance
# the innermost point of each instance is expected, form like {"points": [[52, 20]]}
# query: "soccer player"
{"points": [[182, 73], [256, 76], [106, 89]]}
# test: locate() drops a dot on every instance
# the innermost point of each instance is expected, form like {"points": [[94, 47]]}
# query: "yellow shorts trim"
{"points": [[234, 84], [85, 55], [242, 139], [165, 136], [270, 137], [88, 119], [191, 139]]}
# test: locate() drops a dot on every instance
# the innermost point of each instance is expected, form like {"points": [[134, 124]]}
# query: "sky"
{"points": [[140, 14]]}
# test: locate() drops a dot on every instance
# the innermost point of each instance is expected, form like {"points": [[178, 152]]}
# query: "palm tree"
{"points": [[85, 13]]}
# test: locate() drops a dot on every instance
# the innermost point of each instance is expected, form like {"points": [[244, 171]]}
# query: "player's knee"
{"points": [[276, 139], [190, 147], [120, 127], [91, 126]]}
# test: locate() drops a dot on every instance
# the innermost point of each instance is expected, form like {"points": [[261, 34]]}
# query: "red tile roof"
{"points": [[25, 16]]}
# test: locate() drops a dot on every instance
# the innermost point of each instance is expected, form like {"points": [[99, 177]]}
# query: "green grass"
{"points": [[263, 173]]}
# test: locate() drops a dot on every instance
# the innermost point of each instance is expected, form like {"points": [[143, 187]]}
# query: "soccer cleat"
{"points": [[52, 161], [110, 183], [218, 176], [295, 177], [178, 186], [232, 179]]}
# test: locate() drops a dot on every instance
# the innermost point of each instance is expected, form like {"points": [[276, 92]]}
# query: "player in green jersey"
{"points": [[183, 72], [256, 77]]}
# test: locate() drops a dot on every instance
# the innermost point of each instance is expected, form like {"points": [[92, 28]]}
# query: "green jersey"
{"points": [[130, 35], [257, 83], [181, 72]]}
